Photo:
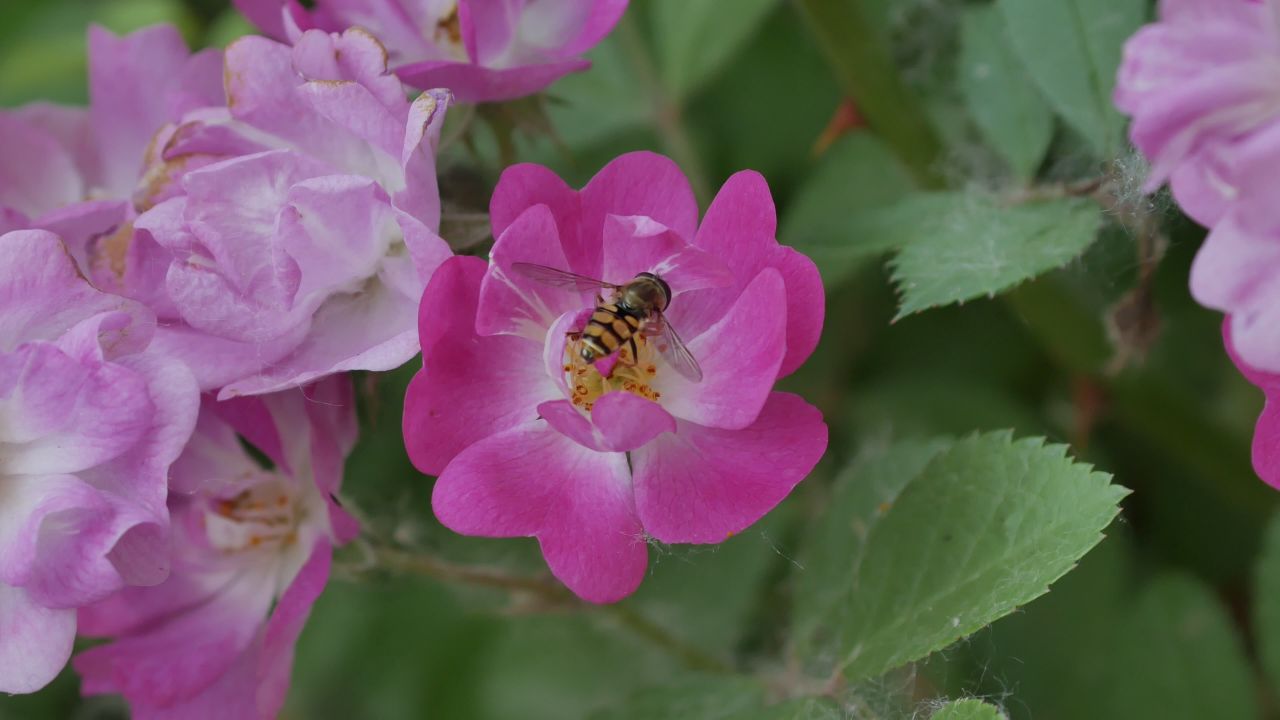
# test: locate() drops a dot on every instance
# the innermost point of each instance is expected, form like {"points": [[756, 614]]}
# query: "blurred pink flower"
{"points": [[301, 245], [528, 440], [482, 50], [1203, 87], [89, 425], [1199, 84], [77, 171], [280, 231], [1266, 435], [251, 553], [1237, 269]]}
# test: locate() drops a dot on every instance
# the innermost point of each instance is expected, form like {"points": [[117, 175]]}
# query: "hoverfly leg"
{"points": [[652, 329], [573, 338]]}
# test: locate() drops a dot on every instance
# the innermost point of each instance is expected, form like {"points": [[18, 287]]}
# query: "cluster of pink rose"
{"points": [[192, 264], [1202, 85]]}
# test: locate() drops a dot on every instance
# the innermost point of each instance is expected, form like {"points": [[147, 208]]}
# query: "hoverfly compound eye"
{"points": [[662, 284]]}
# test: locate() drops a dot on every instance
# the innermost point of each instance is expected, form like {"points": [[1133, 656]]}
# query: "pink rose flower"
{"points": [[1203, 86], [300, 247], [251, 553], [1199, 83], [1237, 269], [1266, 434], [280, 231], [482, 50], [89, 425], [529, 440], [82, 172]]}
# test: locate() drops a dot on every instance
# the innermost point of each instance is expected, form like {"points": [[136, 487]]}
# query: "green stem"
{"points": [[866, 72], [404, 562], [550, 592], [692, 657], [1096, 188], [460, 126], [504, 133], [1076, 341], [668, 116]]}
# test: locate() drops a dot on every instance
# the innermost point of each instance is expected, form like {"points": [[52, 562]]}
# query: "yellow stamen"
{"points": [[629, 373], [264, 515]]}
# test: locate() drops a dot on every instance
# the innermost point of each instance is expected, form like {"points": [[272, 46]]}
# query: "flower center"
{"points": [[618, 372], [448, 34], [265, 515]]}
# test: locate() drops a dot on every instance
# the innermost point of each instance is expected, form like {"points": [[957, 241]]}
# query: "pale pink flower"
{"points": [[1203, 87], [1200, 83], [482, 50], [89, 425], [528, 440], [1266, 434], [280, 231], [251, 552], [301, 245], [82, 173]]}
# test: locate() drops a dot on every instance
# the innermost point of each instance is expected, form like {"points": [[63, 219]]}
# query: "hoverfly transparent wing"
{"points": [[560, 278], [673, 350]]}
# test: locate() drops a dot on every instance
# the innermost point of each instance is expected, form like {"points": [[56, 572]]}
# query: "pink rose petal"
{"points": [[701, 485], [468, 389], [534, 481]]}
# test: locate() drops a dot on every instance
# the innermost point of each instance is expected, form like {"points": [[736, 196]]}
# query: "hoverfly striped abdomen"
{"points": [[611, 326]]}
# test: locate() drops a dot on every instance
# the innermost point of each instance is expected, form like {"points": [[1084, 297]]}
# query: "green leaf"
{"points": [[696, 38], [924, 404], [408, 644], [547, 667], [1192, 663], [698, 699], [52, 67], [1062, 676], [1164, 649], [1072, 50], [832, 210], [59, 699], [706, 595], [862, 61], [968, 710], [1266, 603], [227, 27], [1004, 103], [591, 107], [45, 56], [732, 123], [986, 527], [961, 246], [800, 709], [860, 497]]}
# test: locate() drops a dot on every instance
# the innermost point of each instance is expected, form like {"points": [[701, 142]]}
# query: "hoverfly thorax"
{"points": [[647, 293]]}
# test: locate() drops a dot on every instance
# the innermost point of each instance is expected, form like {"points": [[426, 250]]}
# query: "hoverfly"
{"points": [[635, 307]]}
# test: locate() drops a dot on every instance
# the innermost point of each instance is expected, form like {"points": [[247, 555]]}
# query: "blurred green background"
{"points": [[1158, 622]]}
